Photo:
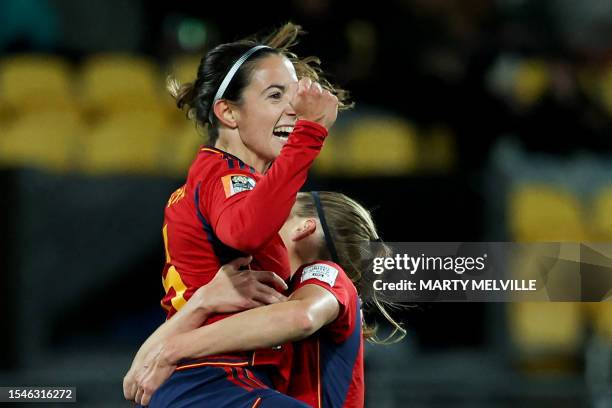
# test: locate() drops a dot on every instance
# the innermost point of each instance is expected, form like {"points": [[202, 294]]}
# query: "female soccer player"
{"points": [[329, 365], [235, 200]]}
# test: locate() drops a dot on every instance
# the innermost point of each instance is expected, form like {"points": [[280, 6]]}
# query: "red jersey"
{"points": [[226, 209], [327, 367]]}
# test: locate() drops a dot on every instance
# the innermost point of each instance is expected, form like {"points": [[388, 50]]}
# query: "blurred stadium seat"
{"points": [[541, 329], [329, 162], [539, 212], [601, 215], [531, 82], [127, 142], [437, 152], [114, 83], [35, 82], [183, 142], [379, 146], [47, 140]]}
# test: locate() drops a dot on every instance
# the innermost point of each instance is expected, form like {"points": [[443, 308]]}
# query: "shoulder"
{"points": [[326, 272], [212, 165]]}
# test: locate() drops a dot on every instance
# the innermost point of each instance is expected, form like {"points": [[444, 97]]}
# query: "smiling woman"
{"points": [[251, 83], [261, 104]]}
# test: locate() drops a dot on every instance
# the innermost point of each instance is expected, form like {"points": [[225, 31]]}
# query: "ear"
{"points": [[225, 114], [305, 228]]}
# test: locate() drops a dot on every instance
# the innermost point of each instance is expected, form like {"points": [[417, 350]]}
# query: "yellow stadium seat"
{"points": [[380, 147], [602, 215], [183, 143], [126, 143], [30, 83], [185, 67], [48, 140], [545, 328], [112, 83], [329, 160], [531, 82], [538, 212], [437, 150]]}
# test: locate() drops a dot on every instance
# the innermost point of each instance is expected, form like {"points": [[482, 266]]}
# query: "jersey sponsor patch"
{"points": [[322, 272], [237, 183]]}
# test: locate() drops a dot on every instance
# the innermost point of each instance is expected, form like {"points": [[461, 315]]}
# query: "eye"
{"points": [[276, 95]]}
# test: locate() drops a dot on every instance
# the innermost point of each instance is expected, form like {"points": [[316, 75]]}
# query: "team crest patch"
{"points": [[322, 272], [236, 183]]}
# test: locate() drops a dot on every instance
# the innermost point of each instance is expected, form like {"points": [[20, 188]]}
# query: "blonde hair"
{"points": [[354, 236], [196, 98]]}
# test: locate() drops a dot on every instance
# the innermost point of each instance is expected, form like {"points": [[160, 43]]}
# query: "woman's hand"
{"points": [[234, 290], [156, 371], [313, 103], [130, 386]]}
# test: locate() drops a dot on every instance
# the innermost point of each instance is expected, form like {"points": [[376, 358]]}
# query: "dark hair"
{"points": [[196, 97], [352, 231]]}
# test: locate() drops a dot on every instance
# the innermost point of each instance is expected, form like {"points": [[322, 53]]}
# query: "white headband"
{"points": [[230, 75]]}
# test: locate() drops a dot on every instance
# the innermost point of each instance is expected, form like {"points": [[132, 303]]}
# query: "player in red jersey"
{"points": [[328, 366], [235, 200]]}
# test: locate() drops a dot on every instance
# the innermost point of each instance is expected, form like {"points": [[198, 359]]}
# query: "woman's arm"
{"points": [[308, 309], [250, 219], [253, 219], [231, 290]]}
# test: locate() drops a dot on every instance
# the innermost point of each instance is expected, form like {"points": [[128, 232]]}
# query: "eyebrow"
{"points": [[281, 87]]}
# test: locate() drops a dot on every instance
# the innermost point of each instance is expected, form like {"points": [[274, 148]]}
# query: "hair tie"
{"points": [[328, 241]]}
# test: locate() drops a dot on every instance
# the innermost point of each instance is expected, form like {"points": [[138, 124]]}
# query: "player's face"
{"points": [[265, 118]]}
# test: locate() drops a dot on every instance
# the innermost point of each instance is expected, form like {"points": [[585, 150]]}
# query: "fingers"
{"points": [[139, 393], [271, 279], [304, 85], [243, 261], [143, 396], [133, 391], [129, 388], [267, 295], [316, 87], [146, 398]]}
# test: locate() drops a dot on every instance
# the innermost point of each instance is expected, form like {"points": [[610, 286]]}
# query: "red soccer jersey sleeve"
{"points": [[246, 222], [332, 277]]}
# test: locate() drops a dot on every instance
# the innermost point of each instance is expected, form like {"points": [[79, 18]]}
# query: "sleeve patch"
{"points": [[236, 183], [322, 272]]}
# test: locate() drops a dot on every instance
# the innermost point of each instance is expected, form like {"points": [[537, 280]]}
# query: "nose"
{"points": [[289, 111], [292, 89]]}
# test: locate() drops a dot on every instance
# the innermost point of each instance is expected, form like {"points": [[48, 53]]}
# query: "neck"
{"points": [[298, 258], [233, 145]]}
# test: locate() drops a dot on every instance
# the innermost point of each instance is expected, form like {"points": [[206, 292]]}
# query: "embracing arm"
{"points": [[308, 309], [231, 290]]}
